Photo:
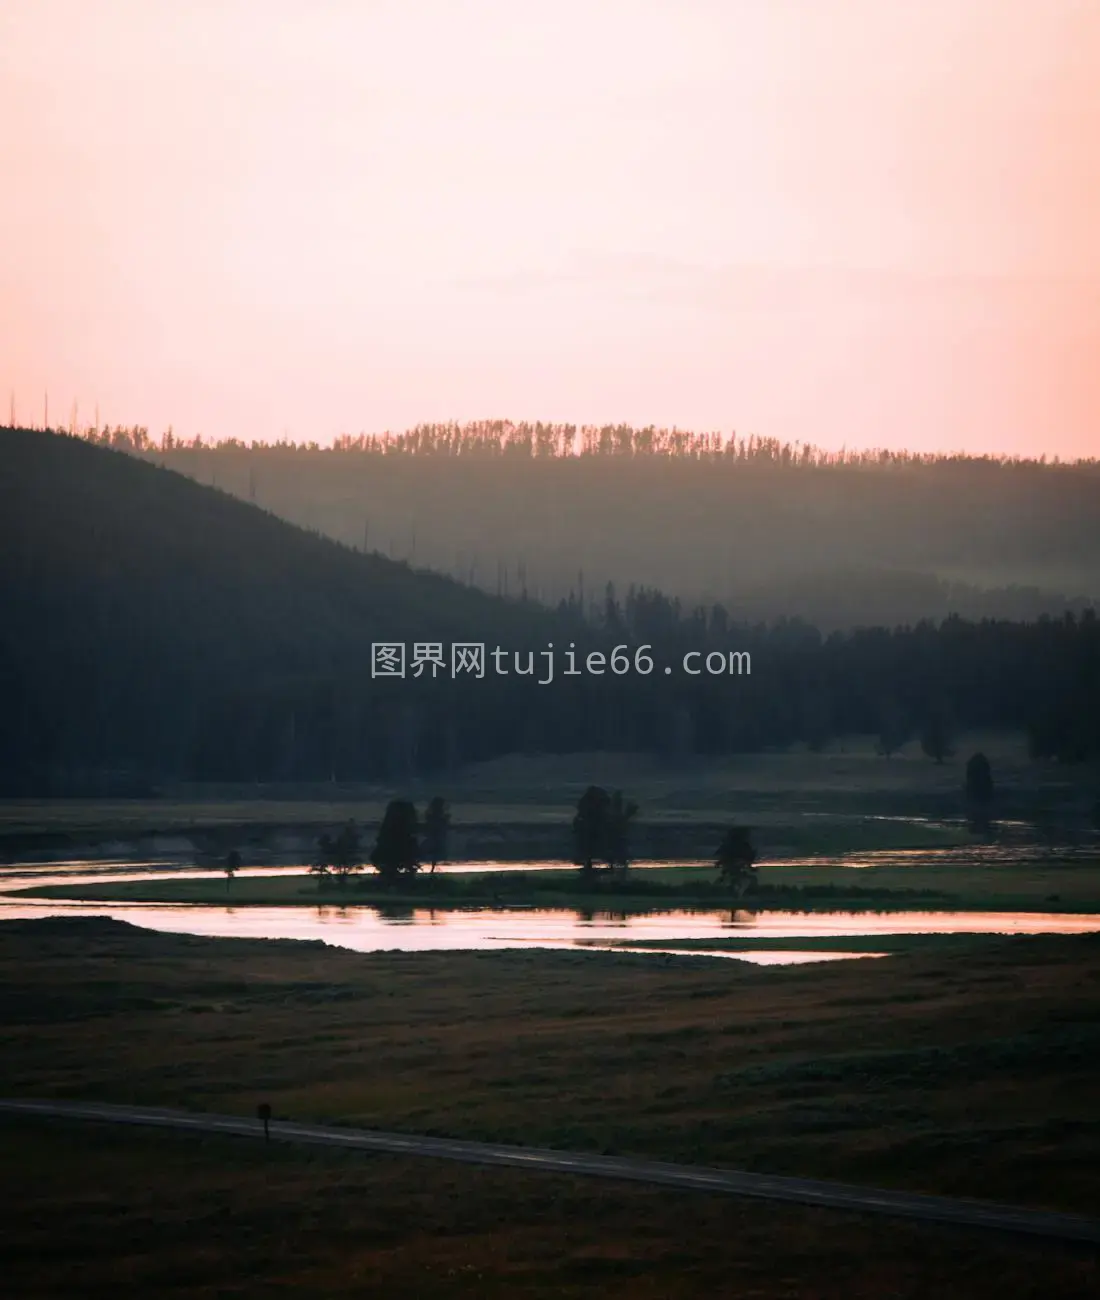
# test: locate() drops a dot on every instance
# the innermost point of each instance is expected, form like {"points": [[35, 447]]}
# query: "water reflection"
{"points": [[764, 957], [417, 929]]}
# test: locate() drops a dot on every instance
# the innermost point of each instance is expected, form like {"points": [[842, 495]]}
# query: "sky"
{"points": [[848, 222]]}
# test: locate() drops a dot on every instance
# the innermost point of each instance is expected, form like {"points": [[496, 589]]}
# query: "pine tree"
{"points": [[437, 821], [736, 858], [397, 848]]}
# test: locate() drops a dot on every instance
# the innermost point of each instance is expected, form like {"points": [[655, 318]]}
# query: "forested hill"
{"points": [[143, 614], [155, 629], [156, 542], [771, 531]]}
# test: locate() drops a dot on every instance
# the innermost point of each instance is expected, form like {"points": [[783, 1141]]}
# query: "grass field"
{"points": [[963, 1070], [940, 1070], [806, 792], [123, 820]]}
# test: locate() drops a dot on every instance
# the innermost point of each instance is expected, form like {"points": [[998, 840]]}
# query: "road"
{"points": [[805, 1191]]}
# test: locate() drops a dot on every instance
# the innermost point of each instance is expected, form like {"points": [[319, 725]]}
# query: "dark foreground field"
{"points": [[962, 1072], [93, 1212]]}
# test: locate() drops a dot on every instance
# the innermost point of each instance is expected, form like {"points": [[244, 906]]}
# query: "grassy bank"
{"points": [[1030, 886], [514, 889]]}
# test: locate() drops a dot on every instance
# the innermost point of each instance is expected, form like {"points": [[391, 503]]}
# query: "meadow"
{"points": [[959, 1069], [847, 799]]}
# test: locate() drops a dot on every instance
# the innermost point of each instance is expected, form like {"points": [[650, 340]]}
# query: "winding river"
{"points": [[367, 928]]}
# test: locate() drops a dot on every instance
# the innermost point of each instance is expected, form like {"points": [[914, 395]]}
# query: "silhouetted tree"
{"points": [[348, 852], [340, 854], [590, 828], [397, 848], [936, 734], [437, 821], [620, 813], [736, 860], [321, 865], [601, 829], [232, 864]]}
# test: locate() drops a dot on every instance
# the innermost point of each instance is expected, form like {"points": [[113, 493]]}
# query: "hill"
{"points": [[768, 530], [151, 623]]}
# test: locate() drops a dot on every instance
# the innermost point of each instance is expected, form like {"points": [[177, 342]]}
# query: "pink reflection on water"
{"points": [[764, 957], [420, 929], [22, 875]]}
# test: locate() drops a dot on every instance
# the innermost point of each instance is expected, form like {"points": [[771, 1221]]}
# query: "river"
{"points": [[367, 928]]}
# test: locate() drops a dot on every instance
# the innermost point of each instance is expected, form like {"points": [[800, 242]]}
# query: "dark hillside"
{"points": [[136, 602]]}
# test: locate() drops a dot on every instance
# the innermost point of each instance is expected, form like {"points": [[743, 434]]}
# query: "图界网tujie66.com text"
{"points": [[473, 659]]}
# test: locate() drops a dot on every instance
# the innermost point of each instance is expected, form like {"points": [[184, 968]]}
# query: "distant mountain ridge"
{"points": [[769, 530]]}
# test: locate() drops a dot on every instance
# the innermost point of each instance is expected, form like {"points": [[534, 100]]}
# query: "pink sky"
{"points": [[861, 222]]}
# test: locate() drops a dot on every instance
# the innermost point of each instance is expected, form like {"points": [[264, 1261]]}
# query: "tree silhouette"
{"points": [[340, 854], [936, 734], [590, 828], [397, 848], [437, 821], [348, 852], [601, 829], [322, 860], [620, 813], [736, 860], [232, 864]]}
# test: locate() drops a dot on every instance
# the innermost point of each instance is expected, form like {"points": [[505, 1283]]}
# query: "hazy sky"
{"points": [[871, 222]]}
